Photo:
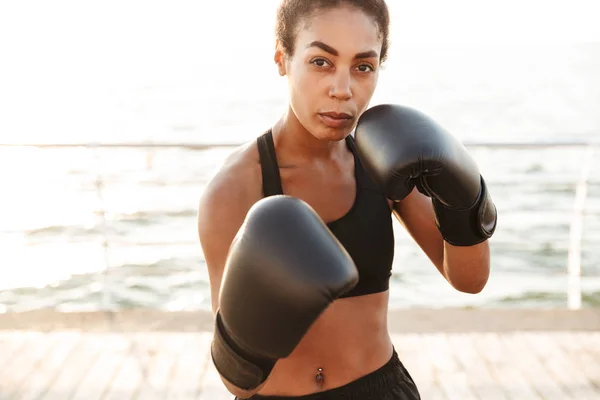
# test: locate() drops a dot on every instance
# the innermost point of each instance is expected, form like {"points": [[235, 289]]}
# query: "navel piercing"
{"points": [[320, 377]]}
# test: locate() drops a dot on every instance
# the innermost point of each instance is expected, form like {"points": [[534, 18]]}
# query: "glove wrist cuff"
{"points": [[233, 364], [469, 226]]}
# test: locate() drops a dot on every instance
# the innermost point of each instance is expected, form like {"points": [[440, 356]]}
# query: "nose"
{"points": [[341, 87]]}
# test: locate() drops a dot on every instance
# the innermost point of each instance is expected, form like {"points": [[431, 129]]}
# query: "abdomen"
{"points": [[349, 340]]}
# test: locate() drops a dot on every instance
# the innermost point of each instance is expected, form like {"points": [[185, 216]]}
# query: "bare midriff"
{"points": [[349, 340]]}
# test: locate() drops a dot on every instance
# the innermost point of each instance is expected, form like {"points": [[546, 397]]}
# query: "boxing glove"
{"points": [[403, 148], [283, 269]]}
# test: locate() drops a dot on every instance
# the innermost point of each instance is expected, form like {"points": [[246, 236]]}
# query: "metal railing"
{"points": [[576, 232], [574, 270]]}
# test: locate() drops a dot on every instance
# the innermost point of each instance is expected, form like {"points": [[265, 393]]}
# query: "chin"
{"points": [[322, 132], [331, 135]]}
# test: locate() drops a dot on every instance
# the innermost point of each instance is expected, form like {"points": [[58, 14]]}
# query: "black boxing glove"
{"points": [[284, 268], [403, 148]]}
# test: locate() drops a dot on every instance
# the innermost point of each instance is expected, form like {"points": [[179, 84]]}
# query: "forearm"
{"points": [[467, 268]]}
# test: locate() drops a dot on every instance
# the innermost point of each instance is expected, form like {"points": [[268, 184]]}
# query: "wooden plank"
{"points": [[580, 349], [523, 365], [591, 343], [502, 361], [190, 368], [96, 381], [418, 364], [452, 378], [63, 343], [144, 347], [15, 375], [564, 370], [75, 367], [482, 381], [12, 343], [159, 369], [131, 373], [530, 367]]}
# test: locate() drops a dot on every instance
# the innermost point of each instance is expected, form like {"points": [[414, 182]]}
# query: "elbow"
{"points": [[466, 271], [468, 280], [471, 286], [470, 289]]}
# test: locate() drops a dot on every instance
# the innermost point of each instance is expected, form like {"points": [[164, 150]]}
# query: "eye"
{"points": [[320, 62], [365, 68]]}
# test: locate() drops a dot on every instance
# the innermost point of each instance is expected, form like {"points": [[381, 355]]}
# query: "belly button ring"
{"points": [[320, 377]]}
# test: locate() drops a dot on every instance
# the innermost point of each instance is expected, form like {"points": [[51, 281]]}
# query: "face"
{"points": [[333, 72]]}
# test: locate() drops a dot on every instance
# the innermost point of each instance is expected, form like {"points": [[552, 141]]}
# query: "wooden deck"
{"points": [[63, 357]]}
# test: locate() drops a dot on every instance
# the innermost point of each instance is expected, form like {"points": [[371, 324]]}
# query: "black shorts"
{"points": [[389, 382]]}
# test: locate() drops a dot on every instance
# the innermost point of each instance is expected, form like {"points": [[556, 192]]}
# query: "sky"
{"points": [[68, 64]]}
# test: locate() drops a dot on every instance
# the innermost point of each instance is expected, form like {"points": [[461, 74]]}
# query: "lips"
{"points": [[335, 115], [336, 120]]}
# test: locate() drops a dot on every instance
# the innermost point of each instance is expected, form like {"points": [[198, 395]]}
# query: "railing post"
{"points": [[576, 231], [105, 305]]}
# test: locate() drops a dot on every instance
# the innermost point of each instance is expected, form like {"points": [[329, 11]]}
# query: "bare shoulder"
{"points": [[223, 205], [236, 182], [231, 191]]}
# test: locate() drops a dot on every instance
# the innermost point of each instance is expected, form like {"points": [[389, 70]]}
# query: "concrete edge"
{"points": [[399, 321]]}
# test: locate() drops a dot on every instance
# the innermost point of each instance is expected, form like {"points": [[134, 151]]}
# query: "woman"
{"points": [[331, 53]]}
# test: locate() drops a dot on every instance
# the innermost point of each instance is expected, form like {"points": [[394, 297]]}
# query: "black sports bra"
{"points": [[365, 231]]}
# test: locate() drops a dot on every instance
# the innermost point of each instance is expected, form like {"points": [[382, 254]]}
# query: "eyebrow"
{"points": [[331, 50]]}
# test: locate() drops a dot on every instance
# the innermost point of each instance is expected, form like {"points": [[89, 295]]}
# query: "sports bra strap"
{"points": [[268, 163], [363, 179]]}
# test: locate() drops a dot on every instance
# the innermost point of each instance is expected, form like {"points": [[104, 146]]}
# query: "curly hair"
{"points": [[291, 12]]}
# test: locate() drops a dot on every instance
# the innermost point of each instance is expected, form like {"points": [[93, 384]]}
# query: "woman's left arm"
{"points": [[466, 268]]}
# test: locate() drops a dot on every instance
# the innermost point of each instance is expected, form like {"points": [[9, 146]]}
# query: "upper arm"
{"points": [[415, 212], [222, 208]]}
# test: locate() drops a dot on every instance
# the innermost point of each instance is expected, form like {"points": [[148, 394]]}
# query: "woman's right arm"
{"points": [[221, 211]]}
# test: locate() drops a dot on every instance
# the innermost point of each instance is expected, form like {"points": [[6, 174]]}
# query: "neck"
{"points": [[291, 137]]}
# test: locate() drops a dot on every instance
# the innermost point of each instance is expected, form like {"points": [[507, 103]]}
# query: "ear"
{"points": [[279, 58]]}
